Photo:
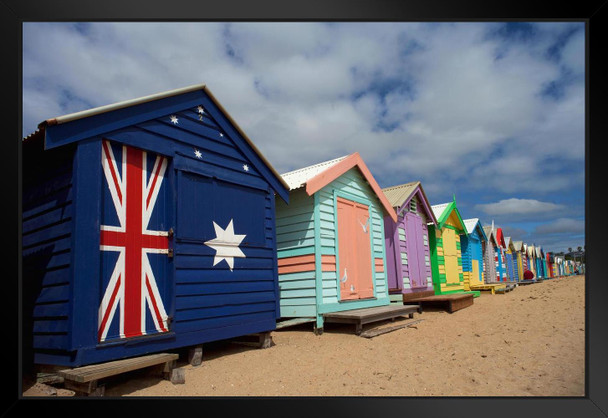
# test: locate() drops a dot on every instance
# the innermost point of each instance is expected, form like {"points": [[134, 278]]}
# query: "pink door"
{"points": [[354, 250]]}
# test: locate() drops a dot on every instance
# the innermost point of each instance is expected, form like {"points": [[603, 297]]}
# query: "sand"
{"points": [[527, 342]]}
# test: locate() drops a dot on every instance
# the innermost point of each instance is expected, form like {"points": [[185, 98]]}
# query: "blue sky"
{"points": [[491, 112]]}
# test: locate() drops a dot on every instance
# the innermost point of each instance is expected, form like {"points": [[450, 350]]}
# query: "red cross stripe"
{"points": [[132, 285]]}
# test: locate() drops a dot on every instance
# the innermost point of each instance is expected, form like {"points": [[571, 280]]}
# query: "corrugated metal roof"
{"points": [[132, 102], [490, 234], [470, 224], [438, 209], [298, 178], [398, 195], [33, 134], [113, 106], [126, 103]]}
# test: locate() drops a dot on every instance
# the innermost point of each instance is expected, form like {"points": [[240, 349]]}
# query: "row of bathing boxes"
{"points": [[155, 224]]}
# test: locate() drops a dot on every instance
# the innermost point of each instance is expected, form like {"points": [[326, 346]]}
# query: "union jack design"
{"points": [[132, 289]]}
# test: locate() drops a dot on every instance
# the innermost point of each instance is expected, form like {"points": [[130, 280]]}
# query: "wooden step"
{"points": [[363, 316], [84, 380], [452, 301], [374, 332]]}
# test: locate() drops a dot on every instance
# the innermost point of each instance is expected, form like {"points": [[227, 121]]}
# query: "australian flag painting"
{"points": [[134, 243]]}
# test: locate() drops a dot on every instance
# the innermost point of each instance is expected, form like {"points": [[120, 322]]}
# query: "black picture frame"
{"points": [[593, 13]]}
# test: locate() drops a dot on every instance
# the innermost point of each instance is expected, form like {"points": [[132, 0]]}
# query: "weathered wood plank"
{"points": [[294, 321], [360, 317], [379, 311], [379, 331], [98, 371]]}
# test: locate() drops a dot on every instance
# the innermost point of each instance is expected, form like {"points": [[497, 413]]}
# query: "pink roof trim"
{"points": [[354, 160]]}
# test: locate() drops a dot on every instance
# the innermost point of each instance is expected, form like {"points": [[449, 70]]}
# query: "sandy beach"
{"points": [[527, 342]]}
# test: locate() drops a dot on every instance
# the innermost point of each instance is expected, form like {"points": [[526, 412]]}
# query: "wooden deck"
{"points": [[84, 380], [508, 287], [492, 287], [360, 317], [453, 301]]}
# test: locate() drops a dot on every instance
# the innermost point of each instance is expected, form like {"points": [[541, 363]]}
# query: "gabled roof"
{"points": [[443, 211], [539, 252], [317, 176], [500, 238], [531, 251], [103, 124], [519, 245], [509, 244], [489, 233], [298, 178], [473, 224], [400, 196]]}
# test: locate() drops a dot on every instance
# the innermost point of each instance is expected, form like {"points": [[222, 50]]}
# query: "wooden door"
{"points": [[415, 250], [489, 266], [354, 250], [363, 251], [450, 255], [476, 277], [136, 278]]}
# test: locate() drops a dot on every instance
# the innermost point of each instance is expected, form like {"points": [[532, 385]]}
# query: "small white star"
{"points": [[174, 119], [198, 154], [221, 134], [245, 167], [200, 109]]}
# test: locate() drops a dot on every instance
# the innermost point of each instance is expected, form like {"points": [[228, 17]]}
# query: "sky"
{"points": [[491, 113]]}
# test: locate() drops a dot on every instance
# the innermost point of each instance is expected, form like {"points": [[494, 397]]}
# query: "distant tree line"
{"points": [[575, 255]]}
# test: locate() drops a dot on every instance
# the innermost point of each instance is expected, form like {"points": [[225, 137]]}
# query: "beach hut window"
{"points": [[425, 239], [413, 206], [401, 234]]}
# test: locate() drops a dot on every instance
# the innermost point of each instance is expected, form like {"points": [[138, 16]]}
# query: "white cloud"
{"points": [[562, 226], [514, 206], [573, 53], [293, 86]]}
